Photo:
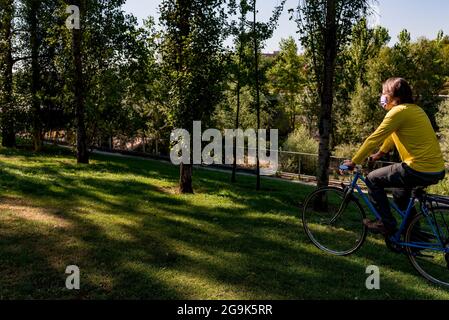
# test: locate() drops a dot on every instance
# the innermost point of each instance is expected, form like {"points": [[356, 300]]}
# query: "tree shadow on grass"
{"points": [[275, 262], [139, 242]]}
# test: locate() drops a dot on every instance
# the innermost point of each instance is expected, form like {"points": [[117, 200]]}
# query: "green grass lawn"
{"points": [[121, 221]]}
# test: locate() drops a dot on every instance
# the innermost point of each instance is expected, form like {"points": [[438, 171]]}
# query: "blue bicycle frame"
{"points": [[405, 215]]}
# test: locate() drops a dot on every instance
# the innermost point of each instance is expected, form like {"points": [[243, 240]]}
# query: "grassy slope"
{"points": [[120, 221]]}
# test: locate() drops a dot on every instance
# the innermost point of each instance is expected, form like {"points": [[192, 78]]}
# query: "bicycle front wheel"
{"points": [[332, 225], [431, 232]]}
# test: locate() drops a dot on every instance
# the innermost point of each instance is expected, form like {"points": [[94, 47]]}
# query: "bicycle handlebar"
{"points": [[357, 167]]}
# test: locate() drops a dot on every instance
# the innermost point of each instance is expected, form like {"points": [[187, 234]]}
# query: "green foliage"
{"points": [[346, 151], [441, 189], [301, 141], [312, 29], [9, 113], [420, 62], [365, 45], [272, 115], [110, 47], [325, 28], [442, 119], [356, 112], [192, 59], [139, 84], [239, 108], [365, 115], [287, 79]]}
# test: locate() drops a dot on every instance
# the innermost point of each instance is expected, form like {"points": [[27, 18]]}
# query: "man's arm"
{"points": [[384, 150], [390, 124], [387, 146]]}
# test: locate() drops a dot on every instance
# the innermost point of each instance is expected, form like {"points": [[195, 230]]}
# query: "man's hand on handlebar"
{"points": [[351, 165], [348, 163]]}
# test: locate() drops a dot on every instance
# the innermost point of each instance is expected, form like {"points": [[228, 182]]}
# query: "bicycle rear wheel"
{"points": [[432, 264], [331, 225]]}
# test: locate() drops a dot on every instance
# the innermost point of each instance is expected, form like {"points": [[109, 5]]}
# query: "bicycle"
{"points": [[333, 220]]}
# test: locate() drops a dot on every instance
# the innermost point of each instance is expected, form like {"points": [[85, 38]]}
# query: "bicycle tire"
{"points": [[437, 261], [354, 242]]}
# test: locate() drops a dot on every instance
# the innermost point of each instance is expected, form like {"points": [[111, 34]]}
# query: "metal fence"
{"points": [[291, 165], [304, 167], [305, 164]]}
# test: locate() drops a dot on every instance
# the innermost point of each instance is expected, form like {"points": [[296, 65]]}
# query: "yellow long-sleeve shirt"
{"points": [[409, 129]]}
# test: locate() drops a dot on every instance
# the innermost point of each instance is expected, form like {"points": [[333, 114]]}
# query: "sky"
{"points": [[419, 17]]}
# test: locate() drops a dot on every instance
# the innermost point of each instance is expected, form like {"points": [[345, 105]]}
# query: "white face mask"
{"points": [[384, 102]]}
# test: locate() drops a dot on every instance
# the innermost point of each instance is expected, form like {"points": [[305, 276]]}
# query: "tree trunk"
{"points": [[256, 62], [7, 118], [237, 117], [183, 8], [293, 119], [185, 180], [35, 78], [81, 137], [327, 94]]}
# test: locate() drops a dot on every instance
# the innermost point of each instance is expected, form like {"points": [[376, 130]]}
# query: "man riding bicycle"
{"points": [[407, 127]]}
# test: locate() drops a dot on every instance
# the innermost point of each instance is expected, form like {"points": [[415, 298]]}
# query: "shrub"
{"points": [[346, 151], [442, 119], [301, 141], [442, 188]]}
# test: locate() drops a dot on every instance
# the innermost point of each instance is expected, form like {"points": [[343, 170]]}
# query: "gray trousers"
{"points": [[402, 179]]}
